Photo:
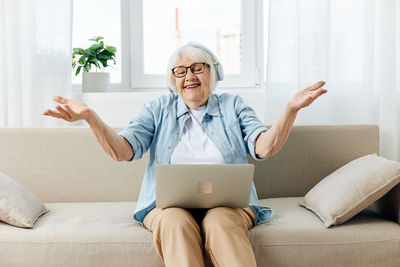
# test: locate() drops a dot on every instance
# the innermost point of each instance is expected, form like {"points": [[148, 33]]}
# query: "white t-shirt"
{"points": [[195, 147]]}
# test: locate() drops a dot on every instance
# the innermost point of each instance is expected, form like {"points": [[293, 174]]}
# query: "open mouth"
{"points": [[192, 86]]}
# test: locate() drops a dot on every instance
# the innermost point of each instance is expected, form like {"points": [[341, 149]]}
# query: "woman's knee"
{"points": [[177, 219], [219, 216], [224, 218]]}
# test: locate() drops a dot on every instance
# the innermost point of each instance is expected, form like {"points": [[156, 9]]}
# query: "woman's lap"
{"points": [[181, 235], [247, 215]]}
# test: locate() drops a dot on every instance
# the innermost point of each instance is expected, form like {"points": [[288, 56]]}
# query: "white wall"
{"points": [[117, 109]]}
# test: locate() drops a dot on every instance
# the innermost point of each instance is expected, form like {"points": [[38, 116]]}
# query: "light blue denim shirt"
{"points": [[229, 122]]}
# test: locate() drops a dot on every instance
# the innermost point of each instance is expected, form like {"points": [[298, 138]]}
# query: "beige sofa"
{"points": [[91, 199]]}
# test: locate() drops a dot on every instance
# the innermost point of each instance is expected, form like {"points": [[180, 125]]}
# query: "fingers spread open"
{"points": [[318, 93], [60, 99], [52, 114], [65, 115], [316, 85], [69, 110]]}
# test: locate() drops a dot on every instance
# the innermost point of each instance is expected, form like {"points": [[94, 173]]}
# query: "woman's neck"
{"points": [[196, 105]]}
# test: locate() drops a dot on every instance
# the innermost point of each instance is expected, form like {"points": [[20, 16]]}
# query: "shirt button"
{"points": [[177, 132], [169, 147]]}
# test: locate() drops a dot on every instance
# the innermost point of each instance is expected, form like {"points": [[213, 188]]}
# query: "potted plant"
{"points": [[97, 55]]}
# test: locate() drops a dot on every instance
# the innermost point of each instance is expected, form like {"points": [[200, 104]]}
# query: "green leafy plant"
{"points": [[96, 55]]}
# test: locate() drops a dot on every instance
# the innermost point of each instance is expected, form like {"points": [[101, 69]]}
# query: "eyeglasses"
{"points": [[196, 68]]}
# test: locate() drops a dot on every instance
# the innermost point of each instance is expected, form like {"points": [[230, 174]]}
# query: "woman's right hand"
{"points": [[113, 144], [74, 110]]}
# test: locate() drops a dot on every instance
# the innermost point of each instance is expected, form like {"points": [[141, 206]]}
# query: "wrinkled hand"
{"points": [[306, 96], [74, 110]]}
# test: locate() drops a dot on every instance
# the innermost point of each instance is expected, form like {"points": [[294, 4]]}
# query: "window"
{"points": [[146, 32], [178, 22], [104, 20]]}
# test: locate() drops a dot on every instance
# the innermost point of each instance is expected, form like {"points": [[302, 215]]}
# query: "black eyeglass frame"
{"points": [[190, 67]]}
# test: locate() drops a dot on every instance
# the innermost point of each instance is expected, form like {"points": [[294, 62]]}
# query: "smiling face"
{"points": [[193, 88]]}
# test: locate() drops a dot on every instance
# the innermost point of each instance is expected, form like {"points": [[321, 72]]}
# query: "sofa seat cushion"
{"points": [[105, 234], [80, 234], [296, 235]]}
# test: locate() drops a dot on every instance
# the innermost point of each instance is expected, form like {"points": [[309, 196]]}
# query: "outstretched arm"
{"points": [[113, 144], [271, 142]]}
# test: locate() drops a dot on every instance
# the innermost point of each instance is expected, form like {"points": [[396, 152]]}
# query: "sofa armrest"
{"points": [[389, 205]]}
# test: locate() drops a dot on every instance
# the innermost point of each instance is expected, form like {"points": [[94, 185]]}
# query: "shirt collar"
{"points": [[182, 108], [212, 106]]}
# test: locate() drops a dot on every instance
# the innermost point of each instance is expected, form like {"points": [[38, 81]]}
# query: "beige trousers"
{"points": [[179, 233]]}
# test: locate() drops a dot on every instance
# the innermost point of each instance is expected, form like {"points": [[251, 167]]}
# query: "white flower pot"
{"points": [[95, 82]]}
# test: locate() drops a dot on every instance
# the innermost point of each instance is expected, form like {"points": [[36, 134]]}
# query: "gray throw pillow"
{"points": [[352, 188], [18, 206]]}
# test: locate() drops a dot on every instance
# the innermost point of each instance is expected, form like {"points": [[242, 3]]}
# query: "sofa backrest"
{"points": [[309, 155], [68, 165]]}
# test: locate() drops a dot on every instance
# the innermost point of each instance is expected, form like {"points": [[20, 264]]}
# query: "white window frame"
{"points": [[125, 84], [133, 78], [252, 52]]}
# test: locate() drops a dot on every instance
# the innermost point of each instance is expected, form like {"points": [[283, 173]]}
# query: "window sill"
{"points": [[117, 108]]}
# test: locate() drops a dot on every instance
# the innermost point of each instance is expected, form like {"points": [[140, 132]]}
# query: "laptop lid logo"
{"points": [[204, 187]]}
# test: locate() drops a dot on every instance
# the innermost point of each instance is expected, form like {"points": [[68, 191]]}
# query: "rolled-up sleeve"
{"points": [[140, 132], [250, 126]]}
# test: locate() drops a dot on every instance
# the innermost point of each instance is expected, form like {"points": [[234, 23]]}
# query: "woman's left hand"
{"points": [[306, 96]]}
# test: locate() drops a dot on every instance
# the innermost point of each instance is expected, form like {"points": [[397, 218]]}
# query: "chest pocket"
{"points": [[225, 134], [164, 142]]}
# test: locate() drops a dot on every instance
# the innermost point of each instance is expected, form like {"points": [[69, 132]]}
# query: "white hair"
{"points": [[197, 55]]}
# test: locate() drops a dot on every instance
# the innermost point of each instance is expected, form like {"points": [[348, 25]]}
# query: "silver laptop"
{"points": [[203, 186]]}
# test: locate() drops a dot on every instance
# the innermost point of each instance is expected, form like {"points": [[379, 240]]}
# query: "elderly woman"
{"points": [[194, 125]]}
